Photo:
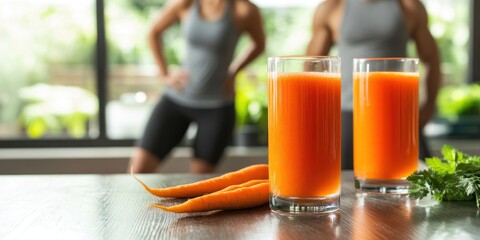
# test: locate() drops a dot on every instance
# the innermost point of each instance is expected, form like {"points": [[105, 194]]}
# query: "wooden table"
{"points": [[116, 207]]}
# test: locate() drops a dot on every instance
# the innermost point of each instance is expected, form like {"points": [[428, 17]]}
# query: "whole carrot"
{"points": [[259, 171], [246, 184], [246, 197]]}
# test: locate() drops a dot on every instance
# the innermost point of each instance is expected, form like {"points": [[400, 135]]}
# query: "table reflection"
{"points": [[461, 223], [325, 226], [373, 220]]}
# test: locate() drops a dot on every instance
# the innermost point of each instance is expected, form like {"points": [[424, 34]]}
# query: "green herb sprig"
{"points": [[456, 177]]}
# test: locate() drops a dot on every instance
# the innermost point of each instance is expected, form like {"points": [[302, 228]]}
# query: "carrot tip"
{"points": [[142, 183], [159, 206]]}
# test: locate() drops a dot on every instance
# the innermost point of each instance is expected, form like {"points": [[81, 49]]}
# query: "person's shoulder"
{"points": [[414, 7], [417, 15], [328, 6], [326, 10], [180, 4], [245, 8], [244, 4]]}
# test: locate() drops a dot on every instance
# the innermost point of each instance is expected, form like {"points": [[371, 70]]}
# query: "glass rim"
{"points": [[387, 59], [303, 57]]}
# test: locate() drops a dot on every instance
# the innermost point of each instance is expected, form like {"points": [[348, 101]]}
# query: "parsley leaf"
{"points": [[439, 166], [456, 177]]}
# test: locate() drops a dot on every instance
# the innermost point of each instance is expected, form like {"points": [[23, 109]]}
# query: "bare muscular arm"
{"points": [[429, 55], [322, 36], [169, 15], [250, 22]]}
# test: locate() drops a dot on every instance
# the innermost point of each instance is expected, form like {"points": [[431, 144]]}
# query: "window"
{"points": [[47, 88], [80, 73], [449, 25]]}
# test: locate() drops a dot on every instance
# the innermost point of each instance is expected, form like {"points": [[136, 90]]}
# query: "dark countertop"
{"points": [[117, 207]]}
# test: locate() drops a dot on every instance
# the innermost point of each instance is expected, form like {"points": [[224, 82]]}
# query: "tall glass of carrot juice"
{"points": [[304, 140], [385, 123]]}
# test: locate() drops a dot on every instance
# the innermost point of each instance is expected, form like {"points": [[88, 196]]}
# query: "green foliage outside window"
{"points": [[461, 101], [46, 36], [448, 22], [38, 44]]}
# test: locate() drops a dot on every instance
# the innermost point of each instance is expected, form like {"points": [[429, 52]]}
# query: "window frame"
{"points": [[474, 44]]}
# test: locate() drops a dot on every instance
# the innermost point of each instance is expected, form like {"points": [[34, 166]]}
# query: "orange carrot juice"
{"points": [[304, 134], [385, 125]]}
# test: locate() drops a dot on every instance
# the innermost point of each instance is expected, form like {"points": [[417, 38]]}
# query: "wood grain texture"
{"points": [[117, 207]]}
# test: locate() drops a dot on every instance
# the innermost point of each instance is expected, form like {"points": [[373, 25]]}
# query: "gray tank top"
{"points": [[210, 46], [369, 29]]}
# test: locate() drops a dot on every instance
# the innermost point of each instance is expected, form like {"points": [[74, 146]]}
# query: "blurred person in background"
{"points": [[375, 28], [202, 91]]}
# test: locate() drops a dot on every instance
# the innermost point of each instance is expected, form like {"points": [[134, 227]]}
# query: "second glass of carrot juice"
{"points": [[385, 123], [304, 140]]}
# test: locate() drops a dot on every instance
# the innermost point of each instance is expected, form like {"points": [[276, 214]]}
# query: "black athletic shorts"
{"points": [[169, 121]]}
